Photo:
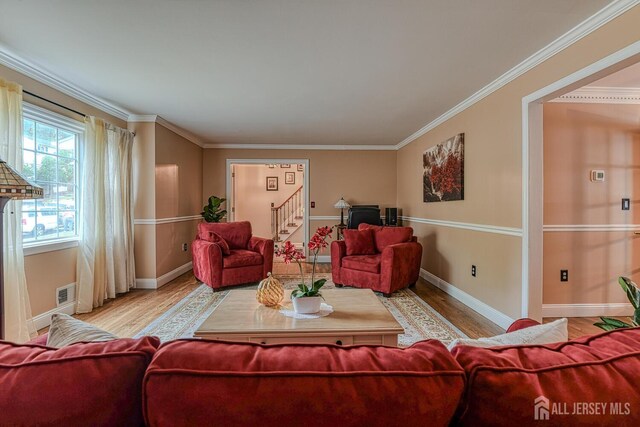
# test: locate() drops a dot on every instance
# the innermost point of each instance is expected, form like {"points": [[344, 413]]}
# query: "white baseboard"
{"points": [[482, 308], [43, 320], [324, 258], [586, 310], [164, 279]]}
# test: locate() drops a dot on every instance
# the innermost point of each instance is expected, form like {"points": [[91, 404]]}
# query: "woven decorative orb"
{"points": [[270, 291]]}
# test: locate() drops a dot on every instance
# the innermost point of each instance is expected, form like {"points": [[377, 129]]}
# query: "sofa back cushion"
{"points": [[385, 236], [236, 234], [588, 381], [96, 384], [192, 382], [359, 242]]}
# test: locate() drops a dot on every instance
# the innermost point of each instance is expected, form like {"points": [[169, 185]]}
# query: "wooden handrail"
{"points": [[290, 197]]}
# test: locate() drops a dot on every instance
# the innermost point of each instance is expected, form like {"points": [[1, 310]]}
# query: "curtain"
{"points": [[18, 326], [105, 254]]}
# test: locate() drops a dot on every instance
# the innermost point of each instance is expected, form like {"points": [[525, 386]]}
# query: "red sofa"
{"points": [[589, 381], [226, 254], [392, 263]]}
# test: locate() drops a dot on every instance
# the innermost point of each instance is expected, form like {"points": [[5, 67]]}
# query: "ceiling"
{"points": [[286, 71]]}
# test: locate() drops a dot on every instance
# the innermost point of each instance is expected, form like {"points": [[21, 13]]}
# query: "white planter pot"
{"points": [[306, 305]]}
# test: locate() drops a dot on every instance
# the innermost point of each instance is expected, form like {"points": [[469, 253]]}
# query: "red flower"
{"points": [[289, 252], [319, 240]]}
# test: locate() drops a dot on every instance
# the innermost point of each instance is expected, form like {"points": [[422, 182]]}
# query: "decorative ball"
{"points": [[270, 291]]}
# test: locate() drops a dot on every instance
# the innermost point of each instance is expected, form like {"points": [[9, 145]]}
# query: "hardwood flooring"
{"points": [[129, 313]]}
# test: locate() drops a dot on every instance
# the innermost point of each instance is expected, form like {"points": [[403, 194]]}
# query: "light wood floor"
{"points": [[129, 313]]}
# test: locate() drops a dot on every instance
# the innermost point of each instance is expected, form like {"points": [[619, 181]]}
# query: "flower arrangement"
{"points": [[290, 254]]}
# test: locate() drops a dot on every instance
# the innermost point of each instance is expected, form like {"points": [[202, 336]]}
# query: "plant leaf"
{"points": [[631, 289], [636, 317], [615, 322], [318, 284], [604, 326]]}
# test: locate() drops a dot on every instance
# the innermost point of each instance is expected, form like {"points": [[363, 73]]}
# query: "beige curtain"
{"points": [[105, 255], [19, 326]]}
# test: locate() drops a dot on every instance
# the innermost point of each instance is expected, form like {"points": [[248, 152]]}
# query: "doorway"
{"points": [[533, 173], [273, 195]]}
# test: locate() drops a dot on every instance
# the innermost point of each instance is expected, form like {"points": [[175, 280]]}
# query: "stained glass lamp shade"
{"points": [[342, 205], [12, 186]]}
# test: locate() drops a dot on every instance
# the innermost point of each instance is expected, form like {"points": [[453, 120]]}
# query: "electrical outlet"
{"points": [[473, 270], [184, 247], [564, 275], [626, 204]]}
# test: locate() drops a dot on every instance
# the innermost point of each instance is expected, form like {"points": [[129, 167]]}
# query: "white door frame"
{"points": [[532, 168], [304, 162]]}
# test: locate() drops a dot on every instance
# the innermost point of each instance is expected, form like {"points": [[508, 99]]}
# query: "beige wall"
{"points": [[50, 270], [252, 200], [493, 168], [362, 177], [178, 193], [577, 139]]}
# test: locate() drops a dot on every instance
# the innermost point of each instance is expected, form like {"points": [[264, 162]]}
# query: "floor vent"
{"points": [[65, 294]]}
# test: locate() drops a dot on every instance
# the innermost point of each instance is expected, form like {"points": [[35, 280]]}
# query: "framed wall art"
{"points": [[443, 177]]}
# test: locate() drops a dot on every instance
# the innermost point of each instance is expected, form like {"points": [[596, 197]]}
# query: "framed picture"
{"points": [[272, 183], [289, 177], [300, 168], [285, 166], [443, 177]]}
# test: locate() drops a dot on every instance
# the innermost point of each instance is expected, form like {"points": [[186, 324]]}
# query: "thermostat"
{"points": [[597, 175]]}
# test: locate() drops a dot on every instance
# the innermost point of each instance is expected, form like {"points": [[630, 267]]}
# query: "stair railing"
{"points": [[285, 215]]}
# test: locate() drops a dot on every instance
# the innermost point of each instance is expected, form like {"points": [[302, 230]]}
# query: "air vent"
{"points": [[63, 295]]}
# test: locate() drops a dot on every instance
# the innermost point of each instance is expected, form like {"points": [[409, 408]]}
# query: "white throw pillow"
{"points": [[65, 330], [547, 333]]}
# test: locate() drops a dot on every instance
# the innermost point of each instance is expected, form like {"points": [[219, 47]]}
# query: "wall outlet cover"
{"points": [[597, 175]]}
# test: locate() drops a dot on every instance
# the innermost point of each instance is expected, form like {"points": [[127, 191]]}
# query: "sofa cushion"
{"points": [[66, 330], [214, 237], [369, 263], [236, 234], [359, 242], [97, 384], [312, 385], [505, 384], [385, 236], [241, 258]]}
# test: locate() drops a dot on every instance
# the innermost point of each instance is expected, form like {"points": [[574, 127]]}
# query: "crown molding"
{"points": [[303, 147], [602, 95], [11, 60], [154, 118], [586, 27]]}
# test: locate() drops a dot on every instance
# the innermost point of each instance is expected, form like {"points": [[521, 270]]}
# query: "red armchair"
{"points": [[393, 263], [226, 254]]}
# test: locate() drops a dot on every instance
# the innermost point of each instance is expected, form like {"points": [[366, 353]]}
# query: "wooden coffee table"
{"points": [[358, 318]]}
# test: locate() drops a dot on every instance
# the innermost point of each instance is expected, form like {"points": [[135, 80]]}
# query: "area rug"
{"points": [[419, 320]]}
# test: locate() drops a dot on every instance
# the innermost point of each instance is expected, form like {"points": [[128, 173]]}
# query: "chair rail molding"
{"points": [[157, 221], [495, 229]]}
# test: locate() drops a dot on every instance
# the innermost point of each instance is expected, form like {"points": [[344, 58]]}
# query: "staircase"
{"points": [[288, 217]]}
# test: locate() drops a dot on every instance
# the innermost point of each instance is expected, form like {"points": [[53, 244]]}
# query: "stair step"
{"points": [[291, 224], [284, 232]]}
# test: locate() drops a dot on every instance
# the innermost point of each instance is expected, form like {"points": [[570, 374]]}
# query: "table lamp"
{"points": [[12, 186], [342, 205]]}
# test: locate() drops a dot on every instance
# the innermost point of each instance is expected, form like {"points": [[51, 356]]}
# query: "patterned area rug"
{"points": [[419, 320]]}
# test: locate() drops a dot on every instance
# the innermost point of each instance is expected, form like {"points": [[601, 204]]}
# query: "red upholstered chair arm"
{"points": [[265, 248], [207, 262], [522, 324], [338, 251], [400, 265], [39, 340]]}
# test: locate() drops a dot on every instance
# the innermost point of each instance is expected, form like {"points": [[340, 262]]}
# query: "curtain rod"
{"points": [[54, 103], [59, 105]]}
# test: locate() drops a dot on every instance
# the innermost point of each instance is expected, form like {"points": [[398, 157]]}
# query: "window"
{"points": [[50, 153]]}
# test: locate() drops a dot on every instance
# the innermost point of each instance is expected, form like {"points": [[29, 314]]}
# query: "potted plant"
{"points": [[633, 294], [307, 299], [212, 211]]}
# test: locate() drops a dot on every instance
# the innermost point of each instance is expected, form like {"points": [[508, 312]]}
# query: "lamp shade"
{"points": [[342, 204], [14, 186]]}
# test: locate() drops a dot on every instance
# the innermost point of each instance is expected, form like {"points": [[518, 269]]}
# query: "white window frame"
{"points": [[42, 115]]}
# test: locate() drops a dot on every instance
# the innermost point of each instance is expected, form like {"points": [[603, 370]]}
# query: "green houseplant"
{"points": [[212, 211], [633, 294]]}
